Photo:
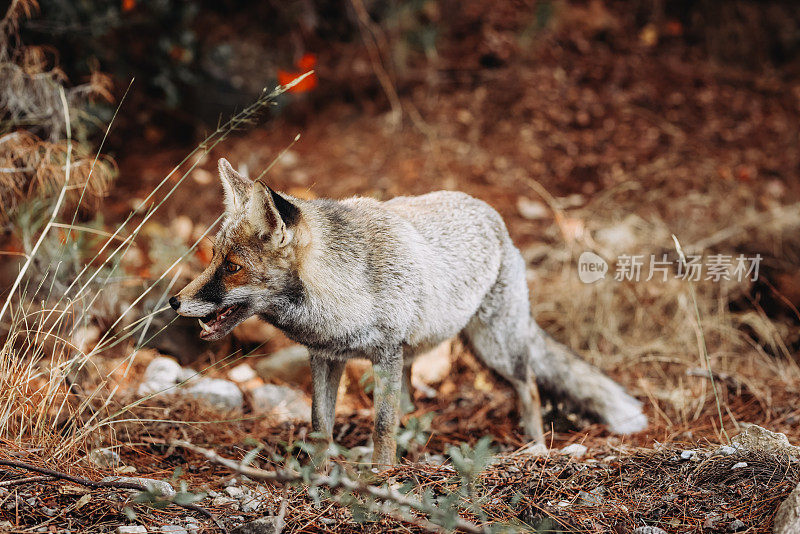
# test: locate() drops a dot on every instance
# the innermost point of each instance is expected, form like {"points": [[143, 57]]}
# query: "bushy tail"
{"points": [[563, 374]]}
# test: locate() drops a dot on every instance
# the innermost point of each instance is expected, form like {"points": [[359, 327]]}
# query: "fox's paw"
{"points": [[624, 416]]}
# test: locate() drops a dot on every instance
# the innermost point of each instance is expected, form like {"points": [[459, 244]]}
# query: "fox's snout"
{"points": [[175, 303]]}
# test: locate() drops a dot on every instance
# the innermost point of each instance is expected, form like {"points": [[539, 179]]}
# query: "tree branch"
{"points": [[110, 484], [286, 476]]}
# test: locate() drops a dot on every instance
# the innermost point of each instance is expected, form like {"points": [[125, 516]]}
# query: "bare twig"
{"points": [[21, 481], [109, 484], [370, 38], [286, 476]]}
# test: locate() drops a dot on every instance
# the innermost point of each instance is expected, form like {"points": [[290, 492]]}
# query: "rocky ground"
{"points": [[592, 138]]}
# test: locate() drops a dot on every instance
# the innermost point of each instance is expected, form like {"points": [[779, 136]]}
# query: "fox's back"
{"points": [[454, 243]]}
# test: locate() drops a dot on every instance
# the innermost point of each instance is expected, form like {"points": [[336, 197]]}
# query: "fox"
{"points": [[387, 281]]}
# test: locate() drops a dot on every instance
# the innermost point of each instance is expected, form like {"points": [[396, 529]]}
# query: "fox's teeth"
{"points": [[204, 325]]}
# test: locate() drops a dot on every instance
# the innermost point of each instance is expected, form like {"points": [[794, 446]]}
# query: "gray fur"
{"points": [[386, 281]]}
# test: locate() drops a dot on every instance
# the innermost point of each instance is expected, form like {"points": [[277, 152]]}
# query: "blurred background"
{"points": [[592, 125]]}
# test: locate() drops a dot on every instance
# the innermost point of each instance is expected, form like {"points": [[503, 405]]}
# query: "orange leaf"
{"points": [[307, 84], [307, 62]]}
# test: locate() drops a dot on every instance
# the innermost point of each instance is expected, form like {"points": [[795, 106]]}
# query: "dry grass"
{"points": [[649, 330]]}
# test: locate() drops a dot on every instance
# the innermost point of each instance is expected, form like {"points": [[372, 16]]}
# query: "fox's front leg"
{"points": [[325, 376], [388, 371]]}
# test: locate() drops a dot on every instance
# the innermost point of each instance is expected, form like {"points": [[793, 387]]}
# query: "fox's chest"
{"points": [[360, 343]]}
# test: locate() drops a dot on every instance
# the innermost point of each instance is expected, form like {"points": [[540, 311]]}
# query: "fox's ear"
{"points": [[272, 215], [235, 185]]}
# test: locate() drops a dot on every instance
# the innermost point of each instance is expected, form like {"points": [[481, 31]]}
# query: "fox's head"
{"points": [[254, 266]]}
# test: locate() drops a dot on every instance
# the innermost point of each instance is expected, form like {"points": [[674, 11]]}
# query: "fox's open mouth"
{"points": [[217, 321]]}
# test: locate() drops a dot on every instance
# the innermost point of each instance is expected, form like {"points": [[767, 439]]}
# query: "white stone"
{"points": [[234, 492], [242, 373], [165, 488], [182, 228], [281, 401], [787, 518], [103, 458], [224, 501], [254, 330], [220, 393], [161, 374], [535, 449], [288, 365], [174, 529], [756, 438], [131, 529], [575, 449], [85, 338], [739, 465], [622, 236], [532, 209], [433, 366], [252, 504]]}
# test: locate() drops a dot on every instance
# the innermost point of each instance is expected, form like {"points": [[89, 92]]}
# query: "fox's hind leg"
{"points": [[508, 340], [498, 334], [498, 342]]}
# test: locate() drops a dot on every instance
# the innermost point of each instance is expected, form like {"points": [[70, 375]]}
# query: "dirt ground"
{"points": [[581, 144]]}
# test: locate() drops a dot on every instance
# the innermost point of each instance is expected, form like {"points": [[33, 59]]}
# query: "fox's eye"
{"points": [[231, 267]]}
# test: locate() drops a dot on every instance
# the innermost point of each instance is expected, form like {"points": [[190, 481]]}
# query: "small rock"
{"points": [[242, 373], [49, 512], [233, 491], [711, 521], [252, 504], [221, 393], [202, 176], [189, 376], [254, 330], [736, 525], [125, 470], [165, 488], [563, 504], [288, 365], [739, 465], [726, 450], [532, 209], [162, 373], [222, 500], [288, 159], [182, 228], [591, 498], [265, 525], [757, 438], [535, 449], [103, 458], [282, 401], [787, 518], [175, 529], [131, 529], [433, 366], [85, 338], [688, 455], [649, 530], [575, 449]]}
